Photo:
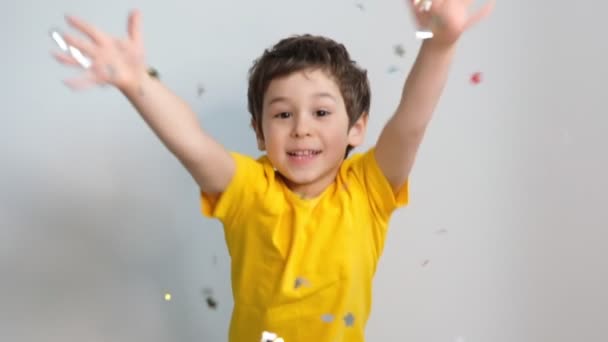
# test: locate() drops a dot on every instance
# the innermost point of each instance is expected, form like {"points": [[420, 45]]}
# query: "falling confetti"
{"points": [[360, 6], [424, 34], [476, 78], [299, 282], [200, 90], [167, 297], [399, 50], [327, 318], [349, 320], [211, 303], [425, 262], [153, 73], [268, 336], [271, 337], [392, 69]]}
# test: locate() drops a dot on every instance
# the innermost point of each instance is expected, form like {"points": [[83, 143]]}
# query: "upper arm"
{"points": [[396, 151], [212, 167]]}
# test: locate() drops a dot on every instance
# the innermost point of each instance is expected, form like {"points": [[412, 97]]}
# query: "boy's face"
{"points": [[306, 131]]}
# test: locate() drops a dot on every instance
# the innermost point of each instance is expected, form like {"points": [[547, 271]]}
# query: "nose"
{"points": [[301, 126]]}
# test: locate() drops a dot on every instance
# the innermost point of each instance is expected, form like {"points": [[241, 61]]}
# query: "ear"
{"points": [[258, 136], [356, 133]]}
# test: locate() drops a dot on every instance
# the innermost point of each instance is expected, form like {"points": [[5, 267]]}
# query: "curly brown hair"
{"points": [[302, 52]]}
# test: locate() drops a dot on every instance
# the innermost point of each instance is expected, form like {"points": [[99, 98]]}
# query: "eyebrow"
{"points": [[316, 95]]}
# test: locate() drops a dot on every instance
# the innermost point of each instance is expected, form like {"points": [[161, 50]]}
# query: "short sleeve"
{"points": [[383, 200], [248, 183]]}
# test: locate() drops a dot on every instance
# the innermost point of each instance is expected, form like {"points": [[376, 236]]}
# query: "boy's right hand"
{"points": [[115, 61]]}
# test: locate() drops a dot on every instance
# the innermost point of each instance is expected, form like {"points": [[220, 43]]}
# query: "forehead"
{"points": [[309, 83]]}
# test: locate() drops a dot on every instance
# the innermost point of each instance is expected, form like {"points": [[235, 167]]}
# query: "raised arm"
{"points": [[120, 62], [400, 139]]}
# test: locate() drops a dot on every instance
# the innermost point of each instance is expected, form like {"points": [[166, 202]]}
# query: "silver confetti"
{"points": [[327, 318], [349, 320], [399, 50], [299, 282], [74, 52]]}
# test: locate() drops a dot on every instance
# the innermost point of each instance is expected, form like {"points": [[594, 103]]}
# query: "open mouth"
{"points": [[303, 153]]}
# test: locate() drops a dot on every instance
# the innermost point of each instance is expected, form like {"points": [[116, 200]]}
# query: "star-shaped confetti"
{"points": [[200, 90], [399, 50], [476, 78], [349, 320]]}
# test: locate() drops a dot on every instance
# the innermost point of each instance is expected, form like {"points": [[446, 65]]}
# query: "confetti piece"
{"points": [[476, 78], [360, 6], [399, 50], [425, 262], [268, 336], [167, 297], [153, 73], [349, 320], [299, 282], [65, 47], [200, 90], [211, 303], [327, 318], [271, 337], [392, 69], [424, 34]]}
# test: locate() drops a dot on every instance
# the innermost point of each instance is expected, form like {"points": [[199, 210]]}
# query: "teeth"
{"points": [[303, 153]]}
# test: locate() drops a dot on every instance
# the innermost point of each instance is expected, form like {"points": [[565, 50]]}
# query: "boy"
{"points": [[304, 224]]}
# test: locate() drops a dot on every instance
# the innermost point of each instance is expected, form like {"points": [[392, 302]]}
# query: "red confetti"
{"points": [[476, 78]]}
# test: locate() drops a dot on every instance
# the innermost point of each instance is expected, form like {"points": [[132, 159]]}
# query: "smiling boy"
{"points": [[305, 223]]}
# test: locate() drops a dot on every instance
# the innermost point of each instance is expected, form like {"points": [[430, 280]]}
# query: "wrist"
{"points": [[136, 84]]}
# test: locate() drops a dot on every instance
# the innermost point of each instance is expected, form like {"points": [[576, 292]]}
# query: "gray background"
{"points": [[504, 239]]}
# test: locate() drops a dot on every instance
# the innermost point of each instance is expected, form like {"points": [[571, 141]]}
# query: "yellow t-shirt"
{"points": [[303, 268]]}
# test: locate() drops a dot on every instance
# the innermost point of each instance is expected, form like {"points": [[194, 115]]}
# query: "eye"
{"points": [[322, 112], [283, 115]]}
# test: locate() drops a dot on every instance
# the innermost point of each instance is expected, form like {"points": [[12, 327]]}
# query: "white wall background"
{"points": [[504, 239]]}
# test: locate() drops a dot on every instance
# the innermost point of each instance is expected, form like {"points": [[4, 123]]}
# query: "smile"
{"points": [[304, 153]]}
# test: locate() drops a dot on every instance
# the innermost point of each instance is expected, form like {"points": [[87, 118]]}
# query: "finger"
{"points": [[84, 46], [96, 35], [134, 27], [80, 83], [65, 59], [479, 15]]}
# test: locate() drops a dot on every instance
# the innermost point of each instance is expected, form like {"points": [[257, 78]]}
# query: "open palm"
{"points": [[449, 18], [115, 61]]}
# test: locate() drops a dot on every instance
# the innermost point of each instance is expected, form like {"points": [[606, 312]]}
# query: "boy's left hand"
{"points": [[448, 19]]}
